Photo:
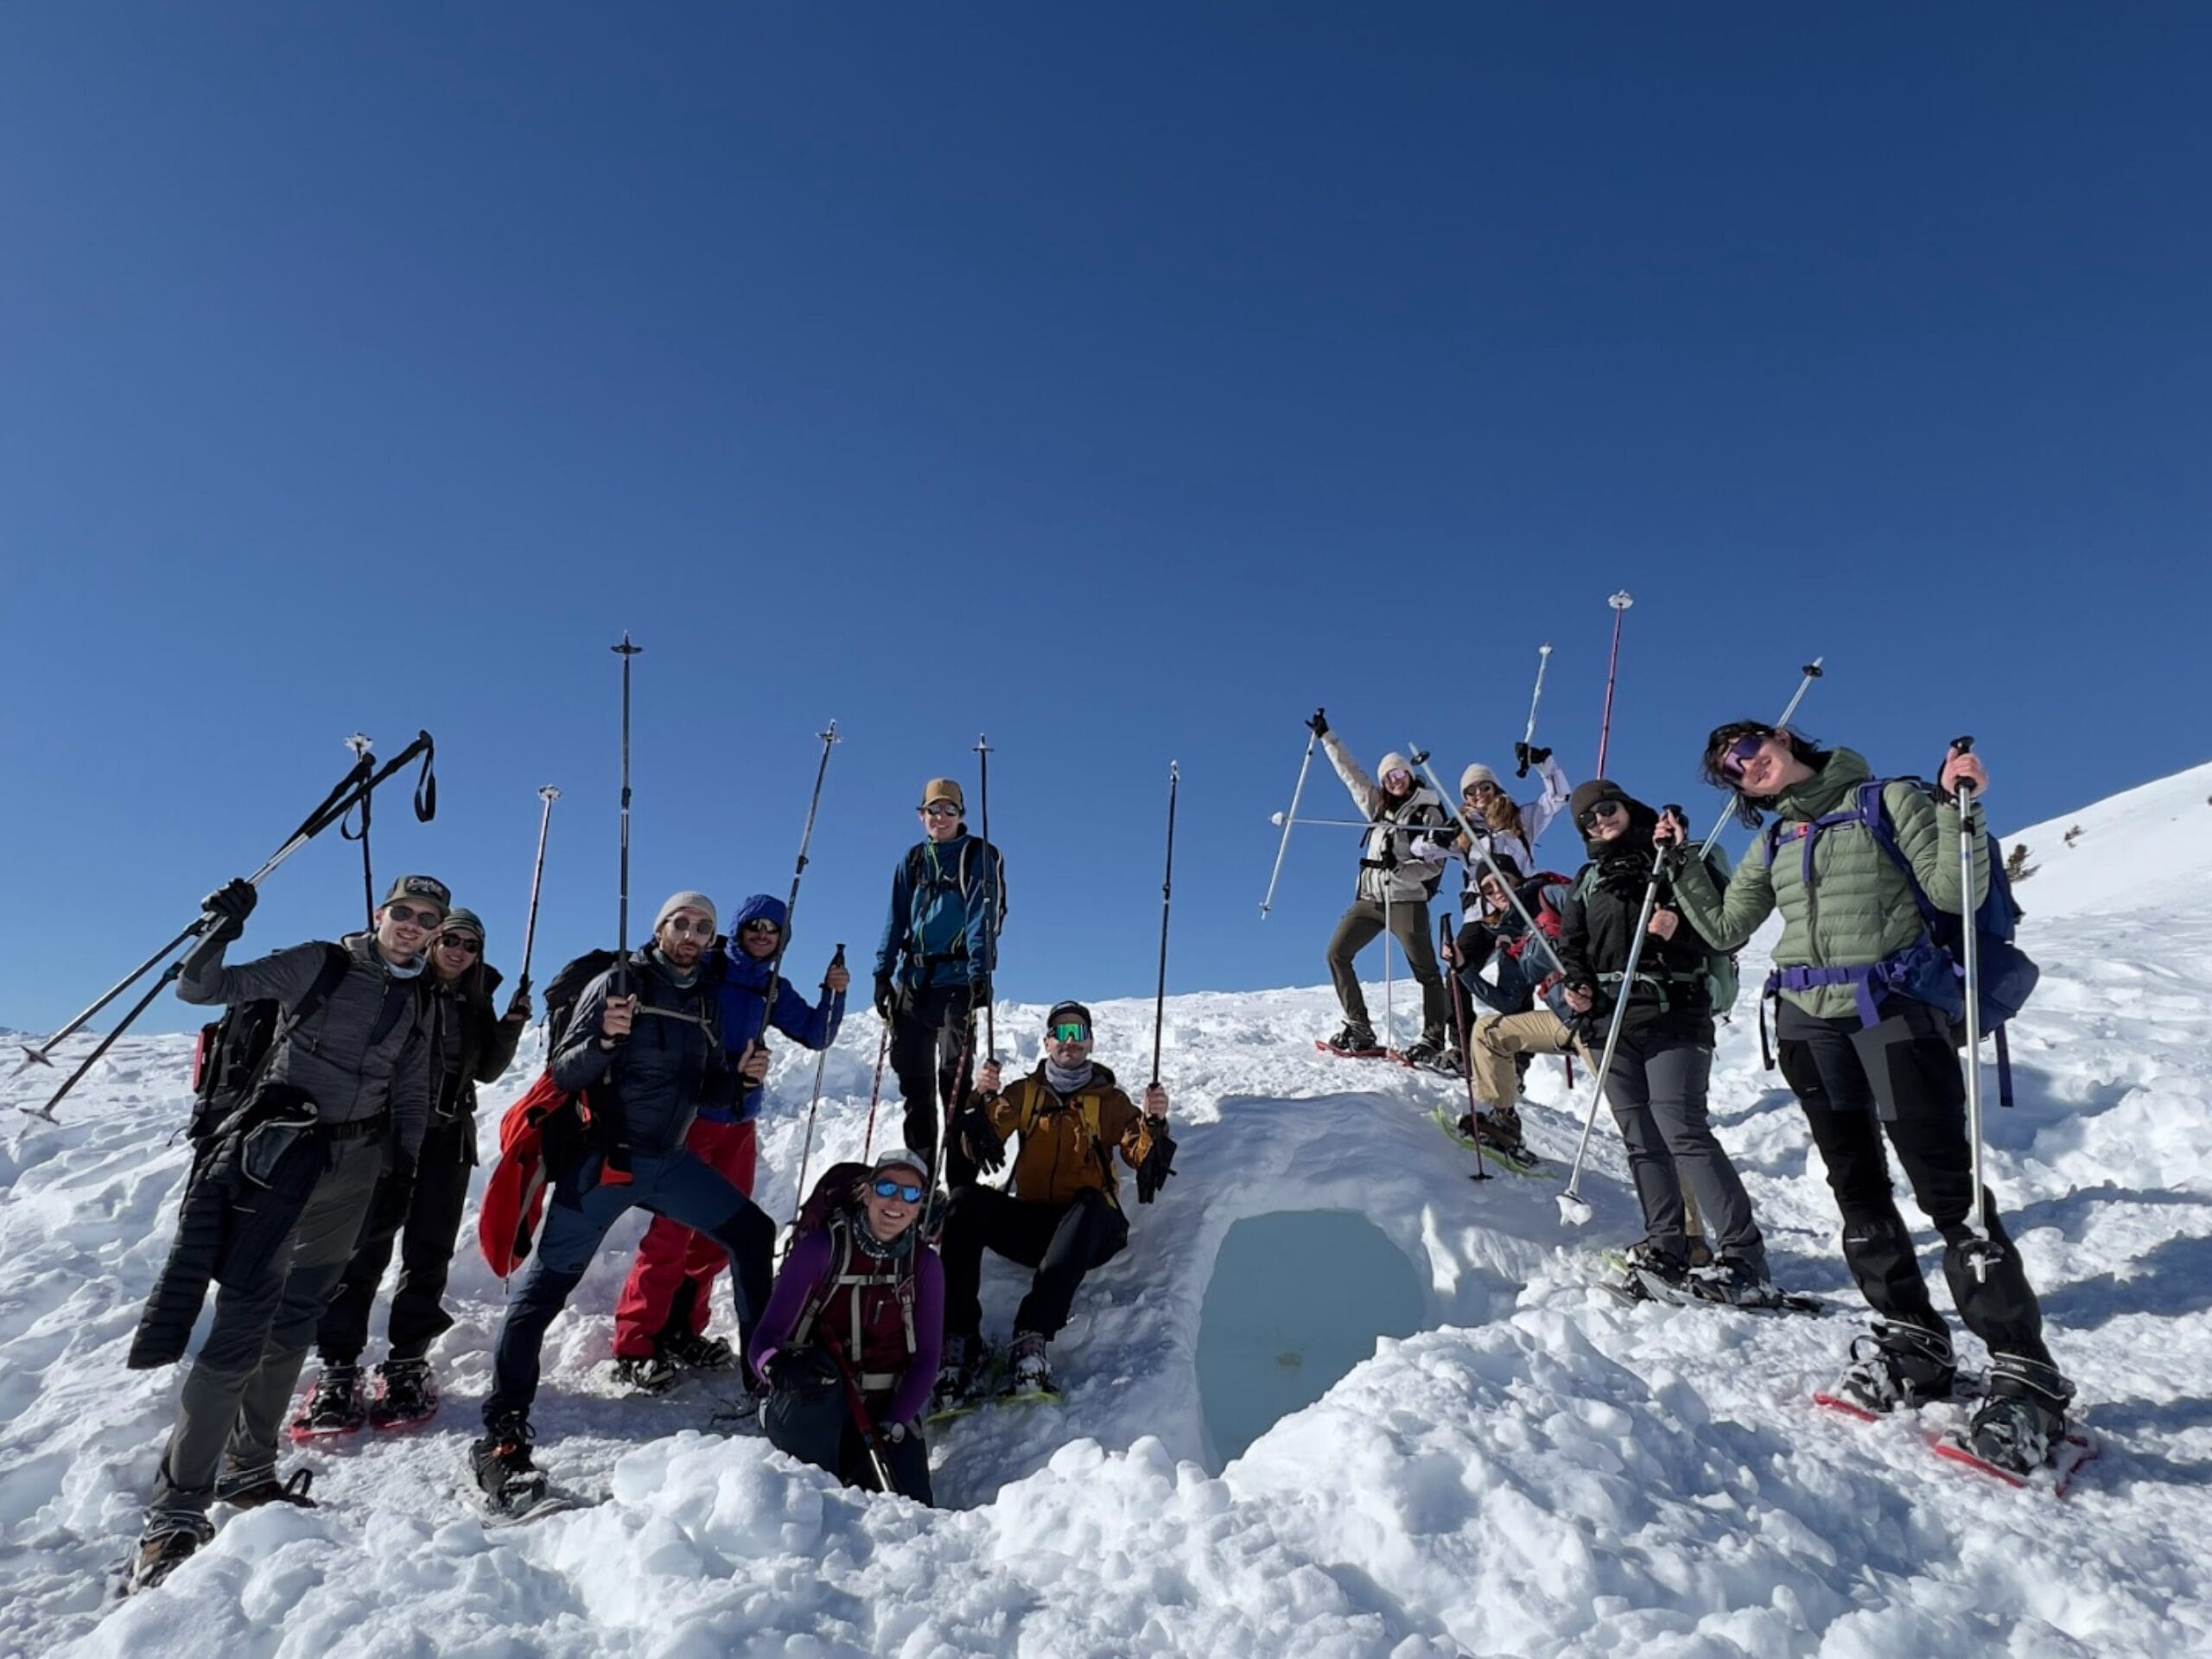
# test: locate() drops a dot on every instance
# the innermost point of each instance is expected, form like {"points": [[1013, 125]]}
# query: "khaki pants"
{"points": [[1499, 1038]]}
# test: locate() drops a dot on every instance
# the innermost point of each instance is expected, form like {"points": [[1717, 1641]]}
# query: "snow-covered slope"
{"points": [[1544, 1472]]}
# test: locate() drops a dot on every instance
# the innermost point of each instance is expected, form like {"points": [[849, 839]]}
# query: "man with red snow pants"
{"points": [[660, 1322]]}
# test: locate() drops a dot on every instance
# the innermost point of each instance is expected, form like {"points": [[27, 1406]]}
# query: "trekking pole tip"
{"points": [[548, 794], [1813, 668], [360, 743], [625, 649], [32, 1056], [1620, 600], [1572, 1211], [1544, 649]]}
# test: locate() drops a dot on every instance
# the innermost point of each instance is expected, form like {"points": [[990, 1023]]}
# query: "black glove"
{"points": [[227, 908], [1319, 724], [986, 1146], [979, 990], [886, 999], [809, 1372], [518, 1007], [1159, 1163]]}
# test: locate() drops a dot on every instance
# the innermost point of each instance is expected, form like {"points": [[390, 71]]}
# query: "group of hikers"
{"points": [[356, 1130]]}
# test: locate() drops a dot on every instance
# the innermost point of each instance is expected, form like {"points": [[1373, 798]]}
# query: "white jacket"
{"points": [[1392, 867]]}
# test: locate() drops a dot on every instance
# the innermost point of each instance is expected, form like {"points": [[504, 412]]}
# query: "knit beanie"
{"points": [[677, 901], [1475, 774], [1588, 795], [462, 921]]}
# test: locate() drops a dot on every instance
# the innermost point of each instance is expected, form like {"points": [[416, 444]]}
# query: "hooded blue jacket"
{"points": [[743, 994]]}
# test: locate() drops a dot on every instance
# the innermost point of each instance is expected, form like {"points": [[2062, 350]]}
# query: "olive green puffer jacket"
{"points": [[1858, 908]]}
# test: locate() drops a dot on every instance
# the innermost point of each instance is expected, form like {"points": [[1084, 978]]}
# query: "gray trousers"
{"points": [[234, 1398], [1657, 1093], [1359, 927]]}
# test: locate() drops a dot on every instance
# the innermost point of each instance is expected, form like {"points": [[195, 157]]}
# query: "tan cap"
{"points": [[944, 789]]}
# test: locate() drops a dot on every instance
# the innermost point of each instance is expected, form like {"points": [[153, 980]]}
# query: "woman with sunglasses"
{"points": [[660, 1318], [420, 1210], [1396, 881], [850, 1340], [1663, 1061], [1507, 830], [1866, 1061]]}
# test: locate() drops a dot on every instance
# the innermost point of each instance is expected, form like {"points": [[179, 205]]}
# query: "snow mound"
{"points": [[1542, 1470]]}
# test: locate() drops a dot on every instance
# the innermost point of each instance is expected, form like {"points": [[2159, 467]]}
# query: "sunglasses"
{"points": [[681, 924], [405, 915], [940, 810], [1398, 778], [762, 925], [1739, 753], [1603, 810], [1068, 1031], [468, 943], [1481, 792], [904, 1192]]}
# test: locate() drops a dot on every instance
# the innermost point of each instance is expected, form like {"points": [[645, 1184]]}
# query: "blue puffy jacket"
{"points": [[941, 930], [744, 986]]}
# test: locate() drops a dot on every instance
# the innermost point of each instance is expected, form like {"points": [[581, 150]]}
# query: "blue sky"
{"points": [[1123, 382]]}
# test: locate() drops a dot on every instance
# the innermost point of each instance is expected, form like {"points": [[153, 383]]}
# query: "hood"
{"points": [[746, 970]]}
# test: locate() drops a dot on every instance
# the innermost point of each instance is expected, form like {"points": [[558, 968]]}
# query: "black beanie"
{"points": [[1588, 795]]}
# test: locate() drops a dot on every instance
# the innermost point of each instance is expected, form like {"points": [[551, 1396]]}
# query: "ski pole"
{"points": [[856, 1403], [626, 650], [1466, 1045], [356, 783], [1573, 1211], [990, 898], [1543, 662], [1620, 602], [362, 745], [1985, 1248], [940, 1154], [1287, 819], [814, 1100], [1166, 903], [549, 795], [1322, 824], [876, 1090], [830, 741]]}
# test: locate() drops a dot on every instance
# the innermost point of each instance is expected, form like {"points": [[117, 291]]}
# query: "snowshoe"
{"points": [[695, 1352], [405, 1393], [512, 1485], [334, 1406], [1502, 1147], [653, 1373], [1428, 1056], [1898, 1365], [168, 1543], [1732, 1280], [959, 1378], [2023, 1418], [1028, 1369], [1354, 1041], [249, 1489]]}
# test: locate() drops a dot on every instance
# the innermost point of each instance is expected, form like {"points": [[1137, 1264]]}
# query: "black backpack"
{"points": [[925, 886], [574, 978], [230, 1054]]}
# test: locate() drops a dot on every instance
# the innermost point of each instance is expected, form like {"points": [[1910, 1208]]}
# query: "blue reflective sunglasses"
{"points": [[905, 1190]]}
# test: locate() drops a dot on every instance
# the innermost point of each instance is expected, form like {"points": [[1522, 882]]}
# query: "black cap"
{"points": [[1070, 1010]]}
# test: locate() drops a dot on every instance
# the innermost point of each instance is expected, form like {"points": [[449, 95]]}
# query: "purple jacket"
{"points": [[805, 1273]]}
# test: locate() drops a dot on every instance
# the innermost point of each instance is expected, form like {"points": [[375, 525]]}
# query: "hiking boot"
{"points": [[333, 1406], [1356, 1038], [2023, 1419], [695, 1352], [1430, 1057], [1897, 1365], [1646, 1258], [1498, 1129], [1734, 1279], [960, 1374], [510, 1482], [166, 1543], [1701, 1253], [249, 1489], [405, 1393], [1028, 1370], [653, 1373]]}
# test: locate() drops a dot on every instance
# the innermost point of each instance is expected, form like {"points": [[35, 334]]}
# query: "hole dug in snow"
{"points": [[1297, 1298]]}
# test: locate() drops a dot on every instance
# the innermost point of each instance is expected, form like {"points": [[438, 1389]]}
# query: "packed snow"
{"points": [[1542, 1469]]}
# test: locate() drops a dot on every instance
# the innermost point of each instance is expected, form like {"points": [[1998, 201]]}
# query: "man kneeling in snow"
{"points": [[1063, 1215]]}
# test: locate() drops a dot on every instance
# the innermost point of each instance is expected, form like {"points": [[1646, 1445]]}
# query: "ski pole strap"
{"points": [[1657, 980], [426, 782]]}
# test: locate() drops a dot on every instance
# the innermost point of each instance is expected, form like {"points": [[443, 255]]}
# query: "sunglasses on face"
{"points": [[768, 927], [904, 1192], [1398, 778], [468, 943], [940, 810], [681, 925], [409, 916], [1603, 810], [1069, 1032], [1481, 792], [1739, 753]]}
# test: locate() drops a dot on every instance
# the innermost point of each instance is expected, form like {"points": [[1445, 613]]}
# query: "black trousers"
{"points": [[933, 1057], [1063, 1242], [1902, 1077], [814, 1424], [423, 1218]]}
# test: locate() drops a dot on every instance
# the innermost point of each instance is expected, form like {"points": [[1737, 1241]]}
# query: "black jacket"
{"points": [[469, 1042], [1597, 920], [674, 1062]]}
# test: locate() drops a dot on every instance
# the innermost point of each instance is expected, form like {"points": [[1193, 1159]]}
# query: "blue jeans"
{"points": [[674, 1183]]}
